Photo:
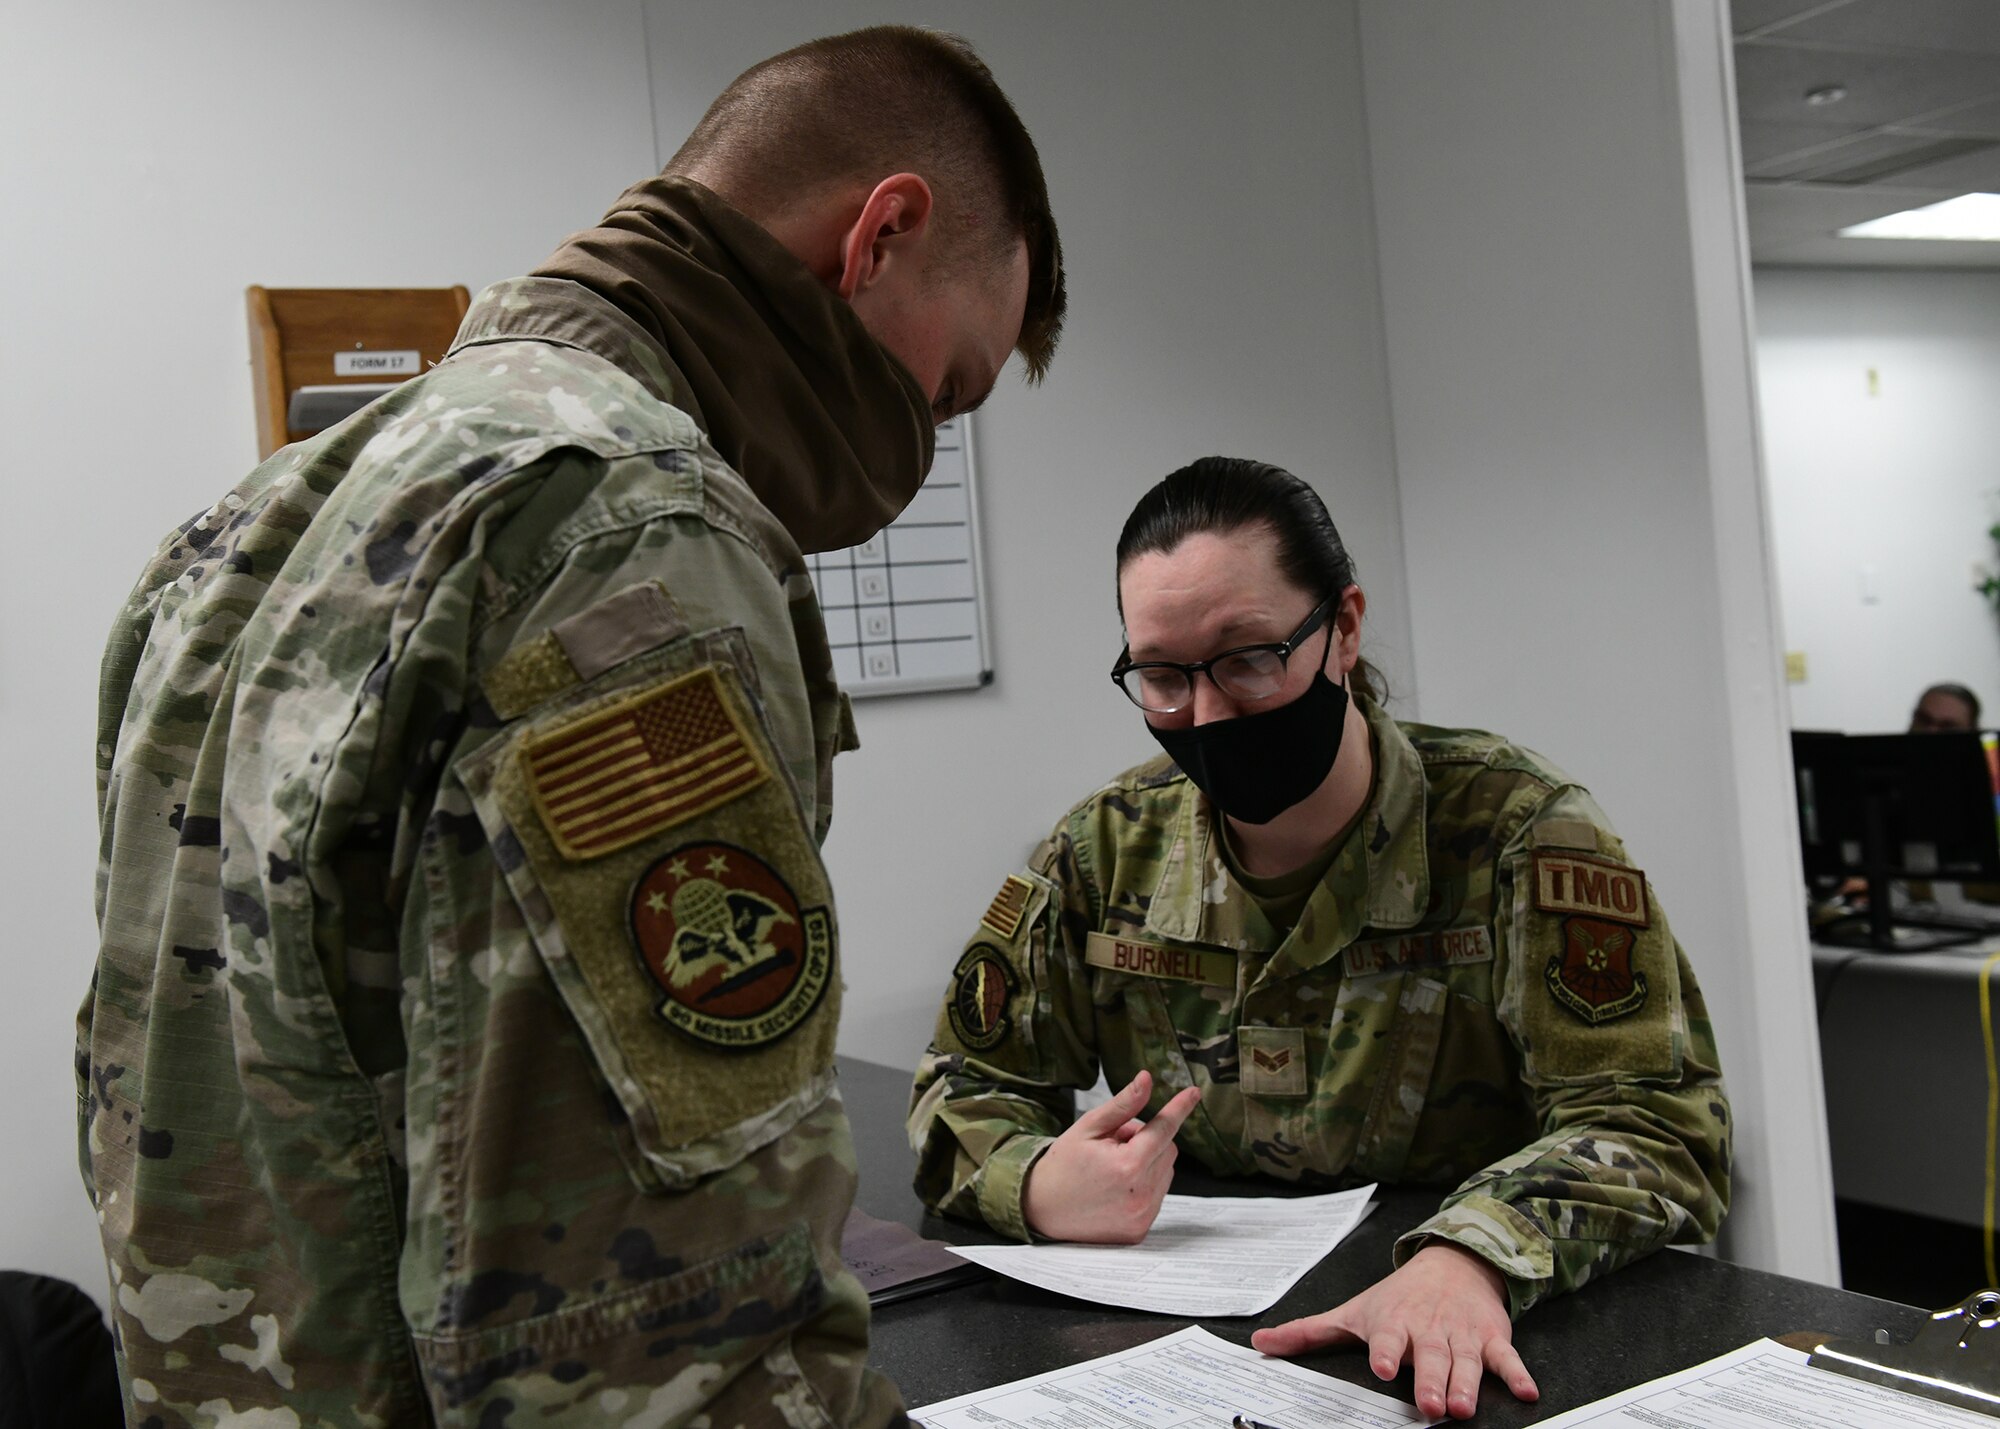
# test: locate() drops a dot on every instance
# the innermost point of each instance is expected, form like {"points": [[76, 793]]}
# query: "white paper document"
{"points": [[1206, 1256], [1189, 1378], [1765, 1385]]}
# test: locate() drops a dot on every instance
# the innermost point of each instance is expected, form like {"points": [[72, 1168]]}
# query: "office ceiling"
{"points": [[1920, 122]]}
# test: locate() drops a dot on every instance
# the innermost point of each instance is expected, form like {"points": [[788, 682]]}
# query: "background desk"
{"points": [[1663, 1314], [1905, 1070]]}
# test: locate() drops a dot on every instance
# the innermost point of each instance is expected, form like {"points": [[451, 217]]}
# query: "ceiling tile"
{"points": [[1885, 158], [1781, 213], [1957, 26], [1746, 16], [1765, 143], [1772, 80], [1981, 119], [1967, 173]]}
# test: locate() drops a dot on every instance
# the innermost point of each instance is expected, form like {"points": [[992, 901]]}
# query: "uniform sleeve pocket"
{"points": [[655, 848], [1598, 998]]}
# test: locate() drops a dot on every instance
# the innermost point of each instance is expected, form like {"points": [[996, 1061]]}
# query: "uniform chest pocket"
{"points": [[1368, 1075], [1403, 1081], [1138, 1029]]}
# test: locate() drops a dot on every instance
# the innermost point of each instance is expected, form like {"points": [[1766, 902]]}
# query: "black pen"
{"points": [[1244, 1421]]}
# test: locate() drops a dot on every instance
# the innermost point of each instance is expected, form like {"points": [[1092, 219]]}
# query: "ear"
{"points": [[1347, 624], [889, 231]]}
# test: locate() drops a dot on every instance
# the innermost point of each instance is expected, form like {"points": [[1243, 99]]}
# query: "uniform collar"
{"points": [[1379, 879], [555, 310]]}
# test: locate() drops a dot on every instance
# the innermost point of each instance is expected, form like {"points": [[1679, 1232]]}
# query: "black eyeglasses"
{"points": [[1249, 672]]}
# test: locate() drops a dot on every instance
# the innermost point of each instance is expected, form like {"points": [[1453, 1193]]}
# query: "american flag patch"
{"points": [[1003, 915], [646, 763]]}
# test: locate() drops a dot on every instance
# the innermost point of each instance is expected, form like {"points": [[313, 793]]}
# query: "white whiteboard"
{"points": [[906, 610]]}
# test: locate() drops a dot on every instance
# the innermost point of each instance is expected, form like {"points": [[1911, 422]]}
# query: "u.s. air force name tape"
{"points": [[1142, 959], [1446, 948]]}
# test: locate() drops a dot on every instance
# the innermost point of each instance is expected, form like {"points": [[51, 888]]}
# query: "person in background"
{"points": [[1315, 943], [461, 1040], [1945, 707]]}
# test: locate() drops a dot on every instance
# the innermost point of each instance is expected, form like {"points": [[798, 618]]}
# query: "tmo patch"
{"points": [[982, 985], [1569, 883], [739, 962]]}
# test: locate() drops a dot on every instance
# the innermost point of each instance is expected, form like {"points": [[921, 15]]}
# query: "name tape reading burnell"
{"points": [[1142, 959]]}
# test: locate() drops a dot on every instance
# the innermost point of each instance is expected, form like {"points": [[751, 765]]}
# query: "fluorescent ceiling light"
{"points": [[1969, 217]]}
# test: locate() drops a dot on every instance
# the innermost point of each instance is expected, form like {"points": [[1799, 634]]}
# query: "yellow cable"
{"points": [[1992, 1103]]}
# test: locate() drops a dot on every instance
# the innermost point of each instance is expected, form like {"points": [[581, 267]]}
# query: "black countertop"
{"points": [[1665, 1313]]}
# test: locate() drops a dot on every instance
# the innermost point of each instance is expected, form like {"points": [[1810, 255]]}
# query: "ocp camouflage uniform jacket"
{"points": [[1480, 993], [442, 765]]}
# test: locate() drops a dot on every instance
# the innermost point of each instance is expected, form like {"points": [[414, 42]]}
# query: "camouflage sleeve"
{"points": [[1015, 1041], [628, 1165], [1619, 1055]]}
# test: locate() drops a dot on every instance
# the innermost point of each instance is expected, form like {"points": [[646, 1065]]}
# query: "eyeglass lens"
{"points": [[1249, 675]]}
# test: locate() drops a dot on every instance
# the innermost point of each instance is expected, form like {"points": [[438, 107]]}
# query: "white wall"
{"points": [[1207, 168], [158, 159], [1563, 296], [1881, 497]]}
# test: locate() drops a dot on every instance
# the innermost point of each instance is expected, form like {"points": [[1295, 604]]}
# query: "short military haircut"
{"points": [[893, 99]]}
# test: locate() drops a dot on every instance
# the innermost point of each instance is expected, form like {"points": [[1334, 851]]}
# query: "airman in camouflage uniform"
{"points": [[460, 1049], [1481, 993]]}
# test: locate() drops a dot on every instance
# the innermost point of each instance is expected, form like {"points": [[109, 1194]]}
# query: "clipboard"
{"points": [[1954, 1359]]}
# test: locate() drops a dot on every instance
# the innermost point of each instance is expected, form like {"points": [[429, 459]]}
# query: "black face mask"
{"points": [[1256, 766]]}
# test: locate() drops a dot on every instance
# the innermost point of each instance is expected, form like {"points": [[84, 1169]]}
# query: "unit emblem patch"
{"points": [[1009, 905], [1593, 975], [740, 964], [982, 986]]}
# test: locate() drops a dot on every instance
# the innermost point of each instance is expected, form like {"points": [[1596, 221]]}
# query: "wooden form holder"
{"points": [[296, 333]]}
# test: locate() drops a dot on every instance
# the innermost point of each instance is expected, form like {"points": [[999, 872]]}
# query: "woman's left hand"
{"points": [[1444, 1310]]}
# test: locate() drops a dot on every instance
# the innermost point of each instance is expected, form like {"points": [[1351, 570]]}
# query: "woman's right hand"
{"points": [[1102, 1180]]}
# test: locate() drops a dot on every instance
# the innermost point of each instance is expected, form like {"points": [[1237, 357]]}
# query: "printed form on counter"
{"points": [[1187, 1380], [1205, 1257]]}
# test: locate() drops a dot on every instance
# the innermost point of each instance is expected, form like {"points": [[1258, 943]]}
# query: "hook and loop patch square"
{"points": [[646, 763]]}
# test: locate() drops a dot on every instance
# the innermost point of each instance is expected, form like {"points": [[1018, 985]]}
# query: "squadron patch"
{"points": [[646, 763], [740, 964], [1009, 905], [982, 986], [1593, 975], [1567, 883]]}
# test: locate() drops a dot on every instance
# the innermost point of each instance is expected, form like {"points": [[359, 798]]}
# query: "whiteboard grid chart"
{"points": [[905, 610]]}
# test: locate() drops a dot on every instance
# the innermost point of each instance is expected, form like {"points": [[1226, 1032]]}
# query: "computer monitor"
{"points": [[1887, 806]]}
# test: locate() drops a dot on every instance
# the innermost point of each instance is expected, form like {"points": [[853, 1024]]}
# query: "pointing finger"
{"points": [[1167, 1122], [1106, 1118]]}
